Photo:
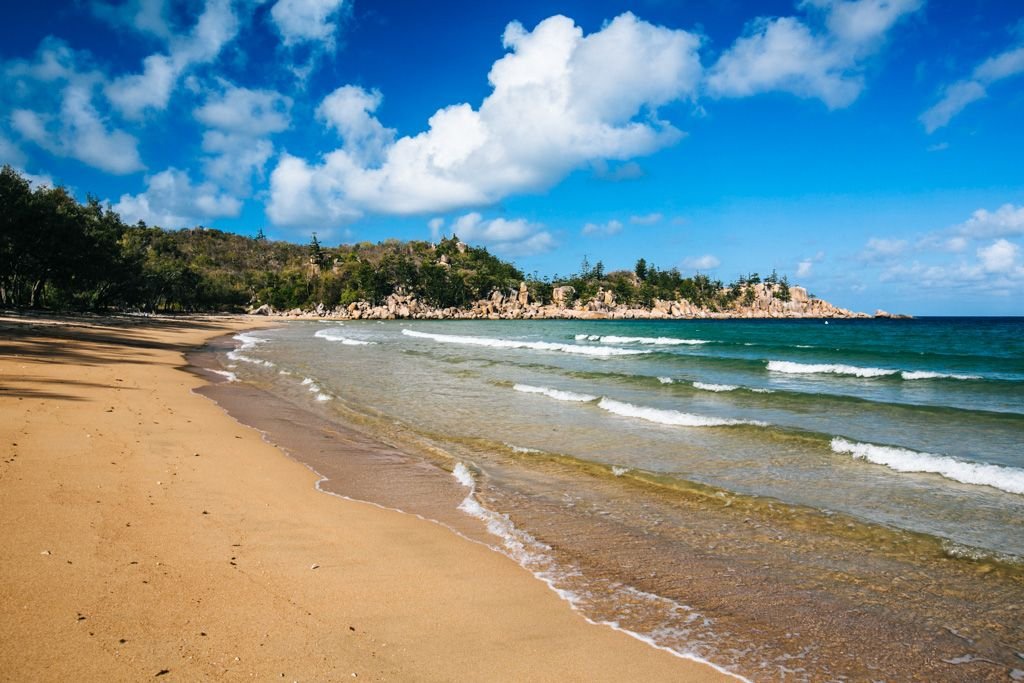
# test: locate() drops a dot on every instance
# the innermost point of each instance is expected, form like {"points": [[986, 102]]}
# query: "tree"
{"points": [[316, 253], [641, 269]]}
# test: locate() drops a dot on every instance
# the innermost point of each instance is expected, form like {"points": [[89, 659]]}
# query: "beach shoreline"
{"points": [[150, 534]]}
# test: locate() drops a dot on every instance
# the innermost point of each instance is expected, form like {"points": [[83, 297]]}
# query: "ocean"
{"points": [[788, 500]]}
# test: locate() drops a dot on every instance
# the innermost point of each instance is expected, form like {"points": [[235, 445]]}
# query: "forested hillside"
{"points": [[58, 253]]}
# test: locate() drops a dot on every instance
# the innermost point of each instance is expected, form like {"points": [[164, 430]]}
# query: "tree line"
{"points": [[58, 253]]}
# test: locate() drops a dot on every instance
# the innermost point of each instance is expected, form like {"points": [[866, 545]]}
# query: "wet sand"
{"points": [[148, 534]]}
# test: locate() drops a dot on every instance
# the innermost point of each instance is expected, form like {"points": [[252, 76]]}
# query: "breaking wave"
{"points": [[792, 368], [597, 351], [1007, 479], [332, 335], [715, 387], [670, 417], [655, 341], [557, 394]]}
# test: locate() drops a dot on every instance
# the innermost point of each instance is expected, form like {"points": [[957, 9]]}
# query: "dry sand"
{"points": [[147, 534]]}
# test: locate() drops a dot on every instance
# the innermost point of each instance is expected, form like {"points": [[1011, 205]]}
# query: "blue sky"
{"points": [[870, 149]]}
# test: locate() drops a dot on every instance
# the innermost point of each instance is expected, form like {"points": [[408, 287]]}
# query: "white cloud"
{"points": [[150, 89], [1006, 221], [242, 111], [879, 249], [559, 101], [239, 118], [804, 268], [145, 16], [786, 54], [172, 201], [998, 257], [301, 21], [55, 81], [349, 110], [235, 159], [517, 237], [956, 96], [943, 260], [134, 94], [647, 219], [10, 153], [705, 262], [612, 227]]}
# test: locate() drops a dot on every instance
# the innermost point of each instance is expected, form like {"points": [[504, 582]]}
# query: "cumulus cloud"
{"points": [[300, 21], [516, 237], [998, 257], [879, 249], [646, 219], [944, 257], [956, 96], [349, 110], [145, 16], [804, 268], [171, 200], [1006, 221], [705, 262], [786, 54], [246, 112], [612, 227], [134, 94], [559, 100], [61, 117], [239, 120]]}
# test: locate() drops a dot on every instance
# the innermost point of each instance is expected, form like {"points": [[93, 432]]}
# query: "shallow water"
{"points": [[788, 499]]}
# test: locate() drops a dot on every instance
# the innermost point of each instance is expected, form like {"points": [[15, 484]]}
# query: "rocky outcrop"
{"points": [[767, 301]]}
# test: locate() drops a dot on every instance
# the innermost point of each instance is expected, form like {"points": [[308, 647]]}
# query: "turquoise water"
{"points": [[915, 426]]}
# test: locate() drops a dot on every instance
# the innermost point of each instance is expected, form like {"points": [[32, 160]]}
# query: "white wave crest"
{"points": [[521, 449], [619, 471], [332, 335], [597, 351], [231, 377], [463, 475], [236, 356], [248, 341], [557, 394], [666, 380], [307, 381], [791, 368], [653, 341], [323, 397], [715, 387], [1007, 479], [670, 417], [925, 374]]}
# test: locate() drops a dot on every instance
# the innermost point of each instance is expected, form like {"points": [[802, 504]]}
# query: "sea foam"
{"points": [[557, 394], [332, 335], [1007, 479], [924, 374], [670, 417], [655, 341], [231, 377], [597, 351], [791, 368], [714, 387]]}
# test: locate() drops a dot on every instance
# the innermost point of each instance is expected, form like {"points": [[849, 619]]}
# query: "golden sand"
{"points": [[146, 534]]}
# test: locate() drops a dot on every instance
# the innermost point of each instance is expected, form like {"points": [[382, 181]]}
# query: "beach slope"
{"points": [[147, 534]]}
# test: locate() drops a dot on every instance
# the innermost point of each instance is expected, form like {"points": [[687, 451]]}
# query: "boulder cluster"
{"points": [[516, 305]]}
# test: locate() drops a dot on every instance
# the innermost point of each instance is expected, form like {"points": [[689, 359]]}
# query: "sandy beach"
{"points": [[147, 534]]}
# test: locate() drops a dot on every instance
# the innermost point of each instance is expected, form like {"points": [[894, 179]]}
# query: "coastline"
{"points": [[149, 534]]}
